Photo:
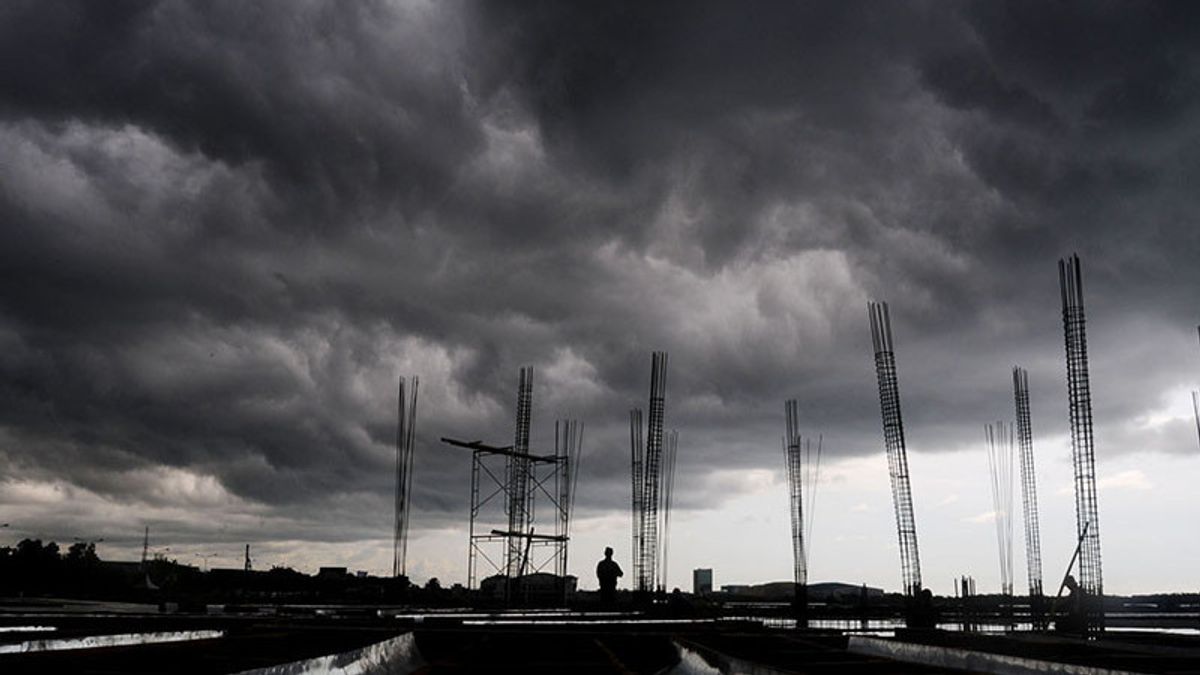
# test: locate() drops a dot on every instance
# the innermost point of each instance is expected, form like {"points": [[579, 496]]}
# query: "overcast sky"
{"points": [[226, 228]]}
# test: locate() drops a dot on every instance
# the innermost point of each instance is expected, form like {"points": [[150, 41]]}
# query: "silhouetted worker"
{"points": [[922, 613], [1076, 619], [607, 571]]}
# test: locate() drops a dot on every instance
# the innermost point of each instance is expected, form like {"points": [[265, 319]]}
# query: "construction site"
{"points": [[521, 609]]}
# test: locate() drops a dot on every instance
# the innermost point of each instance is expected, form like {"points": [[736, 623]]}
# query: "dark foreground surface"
{"points": [[539, 643]]}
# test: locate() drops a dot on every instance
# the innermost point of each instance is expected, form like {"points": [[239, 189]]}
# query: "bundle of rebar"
{"points": [[568, 448], [517, 477], [406, 430], [1029, 501], [1196, 402], [1083, 457], [1196, 411], [668, 478], [803, 473], [647, 464], [999, 438], [637, 460], [893, 435]]}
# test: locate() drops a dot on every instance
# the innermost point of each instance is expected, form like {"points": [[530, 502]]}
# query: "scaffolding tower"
{"points": [[1083, 456], [406, 415], [893, 435], [508, 495], [1029, 500]]}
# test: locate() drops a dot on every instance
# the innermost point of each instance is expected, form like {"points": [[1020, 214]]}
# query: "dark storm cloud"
{"points": [[227, 228]]}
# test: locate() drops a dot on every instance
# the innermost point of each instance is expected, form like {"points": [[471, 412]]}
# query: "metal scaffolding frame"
{"points": [[509, 495], [893, 434], [1029, 499], [406, 413], [1083, 456]]}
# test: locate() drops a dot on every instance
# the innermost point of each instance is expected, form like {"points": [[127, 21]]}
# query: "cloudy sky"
{"points": [[226, 228]]}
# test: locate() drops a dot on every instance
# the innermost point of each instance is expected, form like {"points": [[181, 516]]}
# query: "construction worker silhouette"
{"points": [[607, 572]]}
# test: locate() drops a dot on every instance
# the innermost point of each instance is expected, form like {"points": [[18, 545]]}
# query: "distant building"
{"points": [[332, 573], [702, 581], [780, 590], [538, 588]]}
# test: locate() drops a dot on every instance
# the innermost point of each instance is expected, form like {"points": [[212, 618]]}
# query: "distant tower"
{"points": [[247, 566], [893, 435], [1070, 281], [406, 428], [146, 546]]}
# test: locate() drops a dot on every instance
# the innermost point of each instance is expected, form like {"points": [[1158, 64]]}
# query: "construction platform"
{"points": [[366, 640]]}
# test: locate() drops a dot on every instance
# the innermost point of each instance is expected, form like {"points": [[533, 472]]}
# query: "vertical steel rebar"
{"points": [[670, 450], [1087, 524], [893, 433], [1029, 500], [518, 497], [405, 441], [652, 469], [637, 469], [1196, 401], [999, 437], [792, 451]]}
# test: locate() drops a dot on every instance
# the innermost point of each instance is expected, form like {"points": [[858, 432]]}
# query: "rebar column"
{"points": [[893, 435], [794, 457], [405, 437], [792, 454], [651, 471], [1196, 411], [670, 449], [637, 453], [518, 496], [999, 437], [1029, 500], [568, 443], [1083, 455], [1196, 401]]}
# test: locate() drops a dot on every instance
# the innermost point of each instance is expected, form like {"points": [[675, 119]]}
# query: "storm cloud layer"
{"points": [[226, 228]]}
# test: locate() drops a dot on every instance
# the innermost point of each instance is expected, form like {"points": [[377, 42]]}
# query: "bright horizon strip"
{"points": [[118, 640]]}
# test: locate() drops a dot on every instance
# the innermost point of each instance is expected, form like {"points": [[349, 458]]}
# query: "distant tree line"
{"points": [[36, 569]]}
